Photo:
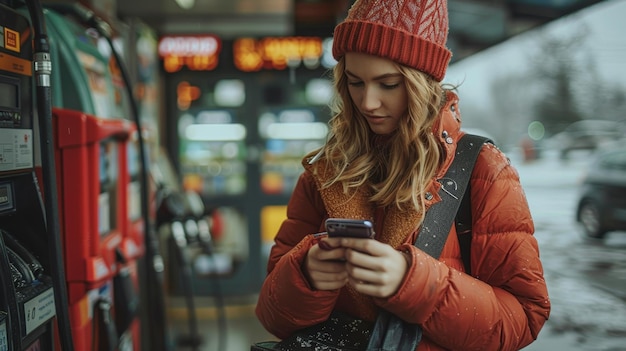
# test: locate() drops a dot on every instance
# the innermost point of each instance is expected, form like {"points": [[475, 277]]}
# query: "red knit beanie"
{"points": [[410, 32]]}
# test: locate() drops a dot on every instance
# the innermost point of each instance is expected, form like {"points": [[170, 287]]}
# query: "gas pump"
{"points": [[201, 252], [185, 229], [171, 223], [28, 262], [139, 186], [88, 159], [92, 109], [28, 285], [87, 148]]}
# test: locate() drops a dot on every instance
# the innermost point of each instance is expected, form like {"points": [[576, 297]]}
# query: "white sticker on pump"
{"points": [[16, 149], [134, 200], [39, 310], [104, 215]]}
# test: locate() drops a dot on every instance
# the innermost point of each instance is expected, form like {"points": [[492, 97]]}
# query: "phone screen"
{"points": [[354, 228]]}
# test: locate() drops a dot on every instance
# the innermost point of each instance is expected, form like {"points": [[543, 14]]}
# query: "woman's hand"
{"points": [[374, 268], [325, 265]]}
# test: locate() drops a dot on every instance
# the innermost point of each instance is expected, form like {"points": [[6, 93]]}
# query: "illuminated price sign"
{"points": [[197, 53], [276, 52]]}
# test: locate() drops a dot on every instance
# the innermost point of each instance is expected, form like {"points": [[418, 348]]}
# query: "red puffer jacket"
{"points": [[502, 306]]}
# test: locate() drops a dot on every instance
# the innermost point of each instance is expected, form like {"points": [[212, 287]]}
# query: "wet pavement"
{"points": [[586, 278], [605, 264]]}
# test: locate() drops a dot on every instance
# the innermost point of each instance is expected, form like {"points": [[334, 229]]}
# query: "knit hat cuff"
{"points": [[396, 45]]}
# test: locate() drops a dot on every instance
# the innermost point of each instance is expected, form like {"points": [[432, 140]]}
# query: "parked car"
{"points": [[589, 134], [602, 202]]}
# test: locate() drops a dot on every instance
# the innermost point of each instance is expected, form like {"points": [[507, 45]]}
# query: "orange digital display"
{"points": [[186, 94], [275, 52], [201, 53]]}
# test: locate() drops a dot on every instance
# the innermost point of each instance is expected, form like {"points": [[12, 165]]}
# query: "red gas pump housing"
{"points": [[92, 214]]}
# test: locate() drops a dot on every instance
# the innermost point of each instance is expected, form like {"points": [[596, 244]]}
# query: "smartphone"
{"points": [[354, 228]]}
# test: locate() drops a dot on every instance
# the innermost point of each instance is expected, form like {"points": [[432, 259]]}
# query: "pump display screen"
{"points": [[134, 187], [8, 95], [107, 200]]}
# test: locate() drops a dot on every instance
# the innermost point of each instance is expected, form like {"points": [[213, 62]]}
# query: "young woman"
{"points": [[393, 135]]}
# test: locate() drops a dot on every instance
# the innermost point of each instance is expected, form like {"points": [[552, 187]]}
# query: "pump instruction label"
{"points": [[39, 310], [11, 39], [16, 149]]}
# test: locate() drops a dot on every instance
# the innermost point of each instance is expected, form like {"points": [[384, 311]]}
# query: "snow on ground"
{"points": [[586, 315]]}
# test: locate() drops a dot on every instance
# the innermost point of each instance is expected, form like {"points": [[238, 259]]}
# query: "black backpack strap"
{"points": [[463, 223], [390, 332], [439, 218]]}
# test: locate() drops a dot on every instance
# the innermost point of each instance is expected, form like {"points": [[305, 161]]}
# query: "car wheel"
{"points": [[589, 217]]}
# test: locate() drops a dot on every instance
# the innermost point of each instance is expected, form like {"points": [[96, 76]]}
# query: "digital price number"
{"points": [[197, 53], [276, 53]]}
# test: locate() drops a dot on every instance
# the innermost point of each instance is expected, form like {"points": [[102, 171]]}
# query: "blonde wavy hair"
{"points": [[396, 171]]}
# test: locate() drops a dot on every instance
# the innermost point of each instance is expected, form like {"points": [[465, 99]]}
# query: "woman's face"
{"points": [[377, 89]]}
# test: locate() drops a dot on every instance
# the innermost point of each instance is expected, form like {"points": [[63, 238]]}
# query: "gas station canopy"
{"points": [[474, 24]]}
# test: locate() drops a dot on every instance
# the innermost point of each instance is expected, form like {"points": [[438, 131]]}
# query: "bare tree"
{"points": [[557, 68]]}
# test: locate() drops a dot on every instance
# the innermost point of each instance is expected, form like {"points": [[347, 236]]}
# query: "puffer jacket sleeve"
{"points": [[286, 295], [505, 303]]}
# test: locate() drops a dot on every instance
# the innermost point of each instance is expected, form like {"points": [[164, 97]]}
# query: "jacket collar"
{"points": [[447, 129]]}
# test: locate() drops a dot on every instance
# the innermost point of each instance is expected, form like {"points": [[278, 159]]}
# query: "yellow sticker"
{"points": [[11, 40]]}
